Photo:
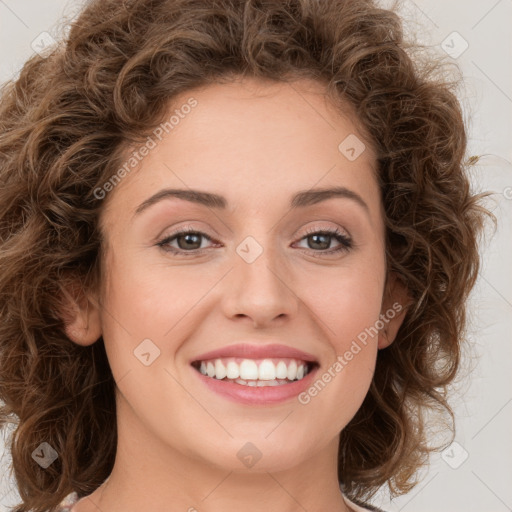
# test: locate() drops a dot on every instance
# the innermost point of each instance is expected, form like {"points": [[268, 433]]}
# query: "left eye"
{"points": [[190, 238], [189, 241]]}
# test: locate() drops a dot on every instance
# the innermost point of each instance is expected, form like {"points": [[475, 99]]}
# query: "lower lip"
{"points": [[253, 395]]}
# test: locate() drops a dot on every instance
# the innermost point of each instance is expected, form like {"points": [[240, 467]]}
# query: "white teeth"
{"points": [[281, 370], [247, 372], [233, 371], [248, 369], [261, 383], [292, 370], [220, 369], [267, 370], [210, 369]]}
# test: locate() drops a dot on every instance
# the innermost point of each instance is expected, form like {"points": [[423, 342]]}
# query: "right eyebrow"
{"points": [[301, 199]]}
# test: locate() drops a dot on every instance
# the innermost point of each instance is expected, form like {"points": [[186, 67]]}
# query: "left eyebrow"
{"points": [[299, 200], [208, 199]]}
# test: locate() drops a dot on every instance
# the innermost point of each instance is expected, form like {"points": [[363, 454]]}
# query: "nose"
{"points": [[261, 291]]}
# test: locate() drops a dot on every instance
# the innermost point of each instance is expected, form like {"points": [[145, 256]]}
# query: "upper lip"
{"points": [[257, 351]]}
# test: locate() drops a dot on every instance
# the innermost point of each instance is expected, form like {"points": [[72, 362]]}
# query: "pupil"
{"points": [[187, 238], [325, 244]]}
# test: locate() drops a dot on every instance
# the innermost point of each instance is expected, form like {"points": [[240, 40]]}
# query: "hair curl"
{"points": [[65, 125]]}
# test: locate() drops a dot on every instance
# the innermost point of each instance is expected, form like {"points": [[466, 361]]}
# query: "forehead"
{"points": [[254, 142], [268, 112]]}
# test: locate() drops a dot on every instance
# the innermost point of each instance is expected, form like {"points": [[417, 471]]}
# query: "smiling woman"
{"points": [[236, 239]]}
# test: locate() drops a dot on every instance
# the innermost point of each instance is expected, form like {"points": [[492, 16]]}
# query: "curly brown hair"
{"points": [[65, 125]]}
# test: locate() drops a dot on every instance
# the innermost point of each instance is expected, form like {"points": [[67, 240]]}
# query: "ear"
{"points": [[81, 315], [395, 304]]}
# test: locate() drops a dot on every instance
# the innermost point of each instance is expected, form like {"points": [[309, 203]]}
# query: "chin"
{"points": [[257, 454]]}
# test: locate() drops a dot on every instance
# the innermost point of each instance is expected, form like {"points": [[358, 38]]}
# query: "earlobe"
{"points": [[81, 317], [395, 304]]}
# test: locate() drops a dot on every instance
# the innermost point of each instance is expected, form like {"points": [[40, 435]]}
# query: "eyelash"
{"points": [[346, 243]]}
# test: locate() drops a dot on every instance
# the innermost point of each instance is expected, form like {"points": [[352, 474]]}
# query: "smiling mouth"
{"points": [[255, 372]]}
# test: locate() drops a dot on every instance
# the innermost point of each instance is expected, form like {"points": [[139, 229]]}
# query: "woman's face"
{"points": [[255, 271]]}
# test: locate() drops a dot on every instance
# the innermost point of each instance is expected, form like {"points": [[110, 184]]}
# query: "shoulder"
{"points": [[66, 504], [358, 506]]}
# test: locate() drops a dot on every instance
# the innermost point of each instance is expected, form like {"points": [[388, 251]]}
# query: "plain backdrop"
{"points": [[475, 474]]}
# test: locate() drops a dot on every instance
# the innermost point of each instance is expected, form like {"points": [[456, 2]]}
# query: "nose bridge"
{"points": [[260, 286]]}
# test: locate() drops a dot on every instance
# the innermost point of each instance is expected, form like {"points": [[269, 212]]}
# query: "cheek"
{"points": [[165, 305], [346, 300], [147, 297], [153, 303], [347, 311], [347, 308], [350, 315]]}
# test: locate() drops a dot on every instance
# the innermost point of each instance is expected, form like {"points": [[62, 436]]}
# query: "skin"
{"points": [[256, 143]]}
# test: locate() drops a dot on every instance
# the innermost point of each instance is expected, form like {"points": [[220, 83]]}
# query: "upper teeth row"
{"points": [[248, 369]]}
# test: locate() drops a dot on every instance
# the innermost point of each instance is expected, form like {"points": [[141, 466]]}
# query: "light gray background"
{"points": [[483, 404]]}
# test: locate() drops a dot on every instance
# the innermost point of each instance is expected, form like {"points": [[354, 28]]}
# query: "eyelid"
{"points": [[311, 229], [315, 228], [344, 239]]}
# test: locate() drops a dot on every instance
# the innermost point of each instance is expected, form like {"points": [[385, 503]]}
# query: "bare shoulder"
{"points": [[72, 503], [358, 506]]}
